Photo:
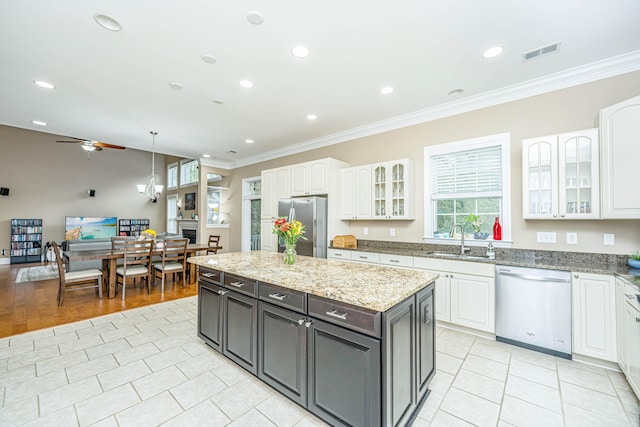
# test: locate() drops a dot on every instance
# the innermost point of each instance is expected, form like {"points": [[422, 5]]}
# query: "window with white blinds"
{"points": [[469, 173], [467, 177], [172, 213]]}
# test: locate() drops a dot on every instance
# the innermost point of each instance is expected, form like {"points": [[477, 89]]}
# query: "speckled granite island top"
{"points": [[364, 285]]}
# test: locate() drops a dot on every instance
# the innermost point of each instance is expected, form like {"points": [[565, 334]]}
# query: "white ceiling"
{"points": [[114, 86]]}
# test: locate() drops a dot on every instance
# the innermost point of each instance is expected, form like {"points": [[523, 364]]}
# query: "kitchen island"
{"points": [[352, 343]]}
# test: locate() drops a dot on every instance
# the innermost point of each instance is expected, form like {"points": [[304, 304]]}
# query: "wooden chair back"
{"points": [[214, 244], [60, 262], [175, 251], [137, 253]]}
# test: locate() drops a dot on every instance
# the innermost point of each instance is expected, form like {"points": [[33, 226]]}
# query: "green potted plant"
{"points": [[476, 223], [634, 259]]}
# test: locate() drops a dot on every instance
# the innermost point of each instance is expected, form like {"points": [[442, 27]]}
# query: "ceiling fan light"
{"points": [[87, 147], [159, 189], [141, 188]]}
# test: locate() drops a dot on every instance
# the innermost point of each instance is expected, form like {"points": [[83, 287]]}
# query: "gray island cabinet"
{"points": [[354, 344]]}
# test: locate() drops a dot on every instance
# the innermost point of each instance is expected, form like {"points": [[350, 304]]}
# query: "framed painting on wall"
{"points": [[189, 201]]}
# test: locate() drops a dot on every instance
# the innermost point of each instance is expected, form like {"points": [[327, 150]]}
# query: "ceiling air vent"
{"points": [[232, 152], [541, 51]]}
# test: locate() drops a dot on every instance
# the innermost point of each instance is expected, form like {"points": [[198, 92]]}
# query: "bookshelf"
{"points": [[26, 240], [132, 226]]}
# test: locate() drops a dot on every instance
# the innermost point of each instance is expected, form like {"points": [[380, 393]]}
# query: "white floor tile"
{"points": [[35, 356], [534, 373], [525, 414], [486, 367], [135, 353], [124, 374], [479, 385], [447, 363], [579, 417], [534, 357], [281, 411], [592, 401], [251, 419], [441, 382], [118, 333], [34, 386], [193, 392], [91, 367], [100, 350], [159, 382], [67, 347], [154, 411], [470, 408], [19, 413], [239, 398], [431, 406], [201, 363], [60, 362], [532, 392], [145, 337], [17, 375], [444, 419], [494, 350], [68, 395], [167, 358], [106, 404], [204, 414], [598, 382], [63, 417]]}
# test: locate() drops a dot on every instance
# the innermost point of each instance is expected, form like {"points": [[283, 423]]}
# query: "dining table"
{"points": [[110, 257]]}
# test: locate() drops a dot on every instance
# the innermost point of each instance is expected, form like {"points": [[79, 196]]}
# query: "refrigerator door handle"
{"points": [[292, 214]]}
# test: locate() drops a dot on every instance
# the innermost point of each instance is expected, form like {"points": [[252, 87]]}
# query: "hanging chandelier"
{"points": [[151, 190]]}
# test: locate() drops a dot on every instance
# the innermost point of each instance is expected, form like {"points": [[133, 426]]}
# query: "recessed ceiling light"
{"points": [[246, 84], [249, 141], [311, 116], [175, 85], [386, 90], [44, 84], [107, 22], [255, 17], [206, 156], [456, 92], [492, 52], [217, 101], [300, 52], [209, 59], [38, 122]]}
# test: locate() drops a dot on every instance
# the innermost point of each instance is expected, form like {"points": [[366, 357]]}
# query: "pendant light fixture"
{"points": [[151, 190]]}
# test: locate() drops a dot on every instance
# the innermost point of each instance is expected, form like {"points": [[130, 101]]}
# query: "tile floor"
{"points": [[147, 367]]}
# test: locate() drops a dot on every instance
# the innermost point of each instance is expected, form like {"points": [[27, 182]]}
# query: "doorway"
{"points": [[251, 210]]}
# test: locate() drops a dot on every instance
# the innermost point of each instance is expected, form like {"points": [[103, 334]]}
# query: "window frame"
{"points": [[169, 167], [172, 219], [502, 140], [183, 163], [209, 209]]}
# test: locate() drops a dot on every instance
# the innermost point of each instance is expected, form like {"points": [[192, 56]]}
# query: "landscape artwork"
{"points": [[85, 227]]}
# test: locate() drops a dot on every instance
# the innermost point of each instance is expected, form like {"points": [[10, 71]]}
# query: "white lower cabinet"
{"points": [[632, 346], [464, 292], [594, 321], [339, 254], [620, 332]]}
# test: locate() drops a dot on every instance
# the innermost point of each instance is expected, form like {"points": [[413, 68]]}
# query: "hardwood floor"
{"points": [[32, 305]]}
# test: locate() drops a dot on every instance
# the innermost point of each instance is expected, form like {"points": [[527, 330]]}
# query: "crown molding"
{"points": [[599, 70]]}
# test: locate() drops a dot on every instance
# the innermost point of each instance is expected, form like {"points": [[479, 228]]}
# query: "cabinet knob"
{"points": [[562, 215], [308, 323], [301, 322], [638, 319], [555, 215], [575, 276]]}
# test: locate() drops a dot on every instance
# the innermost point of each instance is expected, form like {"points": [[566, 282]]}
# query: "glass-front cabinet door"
{"points": [[392, 189], [579, 174], [540, 177], [560, 176]]}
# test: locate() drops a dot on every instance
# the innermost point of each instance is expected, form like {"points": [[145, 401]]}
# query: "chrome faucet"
{"points": [[463, 249]]}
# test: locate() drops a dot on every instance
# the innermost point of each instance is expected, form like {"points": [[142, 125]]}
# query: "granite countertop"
{"points": [[551, 260], [373, 287]]}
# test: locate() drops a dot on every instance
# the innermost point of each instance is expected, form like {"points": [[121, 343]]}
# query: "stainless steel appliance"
{"points": [[533, 309], [312, 213]]}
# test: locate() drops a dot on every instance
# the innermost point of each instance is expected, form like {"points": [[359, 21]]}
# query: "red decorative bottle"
{"points": [[497, 230]]}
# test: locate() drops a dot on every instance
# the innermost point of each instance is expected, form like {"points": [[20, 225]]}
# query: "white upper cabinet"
{"points": [[560, 176], [310, 178], [355, 193], [620, 137], [392, 187], [275, 185]]}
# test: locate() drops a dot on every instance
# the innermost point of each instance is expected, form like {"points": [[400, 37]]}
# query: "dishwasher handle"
{"points": [[532, 278]]}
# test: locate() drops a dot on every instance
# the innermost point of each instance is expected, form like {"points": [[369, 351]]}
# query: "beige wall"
{"points": [[560, 111], [50, 181]]}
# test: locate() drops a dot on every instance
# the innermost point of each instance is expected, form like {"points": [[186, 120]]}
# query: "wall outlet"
{"points": [[366, 230], [546, 237], [609, 239], [572, 238], [392, 232]]}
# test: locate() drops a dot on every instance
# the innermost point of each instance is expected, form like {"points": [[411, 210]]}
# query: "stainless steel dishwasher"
{"points": [[533, 309]]}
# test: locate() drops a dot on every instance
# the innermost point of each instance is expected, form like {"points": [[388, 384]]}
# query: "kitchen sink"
{"points": [[456, 256]]}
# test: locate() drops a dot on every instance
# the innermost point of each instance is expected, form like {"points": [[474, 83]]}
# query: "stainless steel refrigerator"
{"points": [[312, 213]]}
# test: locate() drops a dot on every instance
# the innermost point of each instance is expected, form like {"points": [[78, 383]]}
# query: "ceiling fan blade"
{"points": [[105, 145], [70, 142], [97, 148]]}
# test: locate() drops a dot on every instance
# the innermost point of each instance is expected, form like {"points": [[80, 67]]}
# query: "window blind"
{"points": [[467, 173]]}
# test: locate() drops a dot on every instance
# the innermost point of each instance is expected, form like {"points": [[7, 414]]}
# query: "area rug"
{"points": [[41, 272]]}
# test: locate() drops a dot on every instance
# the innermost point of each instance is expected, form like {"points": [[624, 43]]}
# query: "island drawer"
{"points": [[209, 275], [294, 300], [349, 316], [241, 284]]}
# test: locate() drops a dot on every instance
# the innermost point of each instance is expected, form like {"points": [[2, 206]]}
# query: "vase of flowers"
{"points": [[148, 234], [289, 233], [476, 223]]}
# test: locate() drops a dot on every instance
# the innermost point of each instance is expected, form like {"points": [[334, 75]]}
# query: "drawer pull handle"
{"points": [[279, 297], [363, 257], [237, 284], [209, 274], [337, 314], [427, 318], [338, 254], [394, 260], [221, 292]]}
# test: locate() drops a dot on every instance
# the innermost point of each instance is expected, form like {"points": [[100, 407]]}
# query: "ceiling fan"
{"points": [[88, 145]]}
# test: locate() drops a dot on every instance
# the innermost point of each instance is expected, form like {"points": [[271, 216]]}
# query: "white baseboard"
{"points": [[5, 260]]}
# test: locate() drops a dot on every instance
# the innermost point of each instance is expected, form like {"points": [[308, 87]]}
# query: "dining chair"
{"points": [[137, 264], [75, 280], [174, 260], [214, 244]]}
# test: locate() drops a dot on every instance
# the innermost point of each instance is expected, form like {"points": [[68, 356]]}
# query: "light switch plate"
{"points": [[366, 230], [609, 239], [392, 232], [572, 238], [546, 237]]}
